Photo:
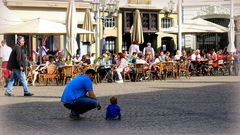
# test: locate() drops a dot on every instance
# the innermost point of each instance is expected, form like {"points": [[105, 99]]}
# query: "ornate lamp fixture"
{"points": [[109, 6], [169, 8]]}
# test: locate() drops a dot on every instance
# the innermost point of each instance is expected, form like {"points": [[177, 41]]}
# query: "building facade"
{"points": [[114, 32], [216, 11]]}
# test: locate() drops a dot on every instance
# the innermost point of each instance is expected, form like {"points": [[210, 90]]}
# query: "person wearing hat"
{"points": [[78, 95]]}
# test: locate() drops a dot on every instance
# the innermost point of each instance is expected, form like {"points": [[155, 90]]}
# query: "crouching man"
{"points": [[78, 95]]}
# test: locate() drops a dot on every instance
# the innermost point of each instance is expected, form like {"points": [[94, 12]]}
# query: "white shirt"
{"points": [[148, 49], [195, 57], [141, 61], [5, 52], [134, 48], [92, 60]]}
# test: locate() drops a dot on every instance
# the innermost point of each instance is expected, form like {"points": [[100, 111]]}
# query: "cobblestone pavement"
{"points": [[199, 106]]}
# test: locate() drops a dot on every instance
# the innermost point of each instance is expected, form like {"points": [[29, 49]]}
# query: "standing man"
{"points": [[148, 51], [78, 96], [16, 64], [5, 54]]}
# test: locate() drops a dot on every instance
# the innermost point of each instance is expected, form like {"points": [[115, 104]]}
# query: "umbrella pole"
{"points": [[40, 49]]}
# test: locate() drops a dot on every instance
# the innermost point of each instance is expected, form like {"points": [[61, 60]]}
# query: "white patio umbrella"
{"points": [[39, 26], [137, 30], [88, 25], [231, 33], [231, 38], [71, 26]]}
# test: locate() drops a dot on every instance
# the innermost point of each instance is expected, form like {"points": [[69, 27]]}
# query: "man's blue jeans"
{"points": [[17, 73], [82, 105]]}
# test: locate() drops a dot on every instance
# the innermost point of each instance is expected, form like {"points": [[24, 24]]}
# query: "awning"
{"points": [[8, 17], [197, 26], [39, 26]]}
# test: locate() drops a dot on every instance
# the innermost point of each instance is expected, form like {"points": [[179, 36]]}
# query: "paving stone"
{"points": [[199, 106]]}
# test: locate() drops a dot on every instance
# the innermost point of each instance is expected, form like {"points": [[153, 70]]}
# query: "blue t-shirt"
{"points": [[113, 111], [76, 88]]}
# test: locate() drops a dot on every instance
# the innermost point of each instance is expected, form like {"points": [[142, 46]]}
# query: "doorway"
{"points": [[167, 44]]}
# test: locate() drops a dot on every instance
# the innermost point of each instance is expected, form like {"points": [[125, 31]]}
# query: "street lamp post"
{"points": [[110, 6], [180, 25], [231, 33]]}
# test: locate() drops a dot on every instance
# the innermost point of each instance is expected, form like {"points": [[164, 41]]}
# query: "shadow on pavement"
{"points": [[200, 110]]}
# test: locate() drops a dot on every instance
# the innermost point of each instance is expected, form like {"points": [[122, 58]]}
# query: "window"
{"points": [[110, 43], [145, 21], [213, 40], [149, 21], [110, 22], [166, 22]]}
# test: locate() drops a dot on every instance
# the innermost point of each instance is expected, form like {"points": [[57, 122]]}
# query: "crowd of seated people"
{"points": [[124, 61]]}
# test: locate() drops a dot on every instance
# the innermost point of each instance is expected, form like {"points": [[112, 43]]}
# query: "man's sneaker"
{"points": [[8, 94], [119, 81], [28, 94], [74, 116]]}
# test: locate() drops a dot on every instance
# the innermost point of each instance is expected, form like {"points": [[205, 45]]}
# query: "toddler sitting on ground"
{"points": [[113, 110]]}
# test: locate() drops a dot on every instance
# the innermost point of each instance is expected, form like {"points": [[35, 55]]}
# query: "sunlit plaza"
{"points": [[173, 65]]}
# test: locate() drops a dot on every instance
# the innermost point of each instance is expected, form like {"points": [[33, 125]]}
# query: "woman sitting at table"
{"points": [[168, 57], [68, 61], [104, 65], [178, 55], [42, 69], [104, 60], [77, 59], [184, 56], [86, 60], [121, 64], [161, 57]]}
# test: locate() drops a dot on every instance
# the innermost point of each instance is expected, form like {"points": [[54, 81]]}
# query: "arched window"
{"points": [[166, 22]]}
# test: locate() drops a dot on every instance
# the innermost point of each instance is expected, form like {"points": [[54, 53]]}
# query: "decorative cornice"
{"points": [[215, 9], [44, 4]]}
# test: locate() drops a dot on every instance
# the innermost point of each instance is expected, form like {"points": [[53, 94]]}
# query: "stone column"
{"points": [[237, 26], [237, 41]]}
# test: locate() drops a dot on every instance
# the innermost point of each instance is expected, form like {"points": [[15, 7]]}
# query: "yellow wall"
{"points": [[161, 35]]}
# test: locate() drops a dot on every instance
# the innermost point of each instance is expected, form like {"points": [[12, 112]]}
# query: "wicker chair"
{"points": [[183, 67], [126, 72], [52, 73], [209, 67], [221, 67], [139, 70], [67, 72], [170, 69]]}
